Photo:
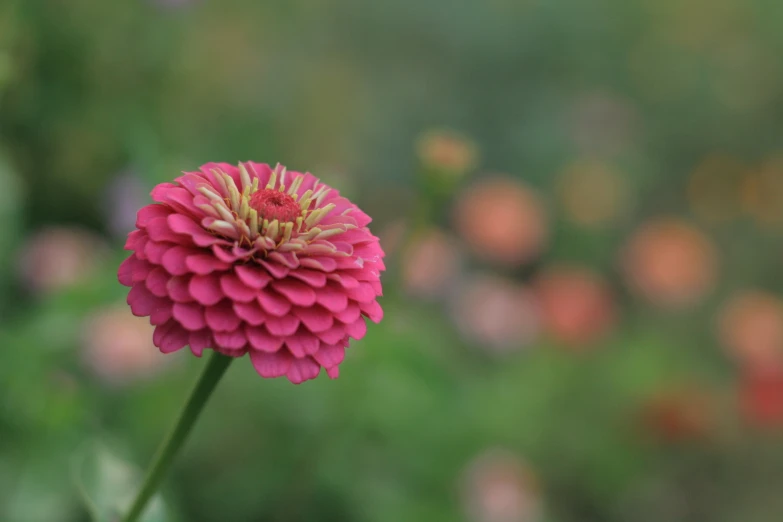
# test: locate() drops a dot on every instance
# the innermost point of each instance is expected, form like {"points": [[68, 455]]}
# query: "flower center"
{"points": [[273, 204]]}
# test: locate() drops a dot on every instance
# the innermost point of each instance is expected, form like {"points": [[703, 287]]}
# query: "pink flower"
{"points": [[253, 260]]}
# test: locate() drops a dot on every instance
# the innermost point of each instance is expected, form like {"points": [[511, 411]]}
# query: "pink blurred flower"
{"points": [[118, 347], [254, 260], [502, 220], [577, 304], [499, 487], [58, 257], [495, 313], [430, 264], [670, 263], [750, 326]]}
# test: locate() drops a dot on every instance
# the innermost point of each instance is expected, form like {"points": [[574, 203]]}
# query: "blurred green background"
{"points": [[582, 207]]}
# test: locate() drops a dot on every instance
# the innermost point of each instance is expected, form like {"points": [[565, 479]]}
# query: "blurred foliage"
{"points": [[674, 105]]}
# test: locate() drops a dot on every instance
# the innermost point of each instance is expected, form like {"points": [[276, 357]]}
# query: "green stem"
{"points": [[210, 376]]}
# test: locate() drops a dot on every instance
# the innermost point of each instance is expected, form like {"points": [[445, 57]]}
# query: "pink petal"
{"points": [[332, 299], [178, 289], [302, 343], [141, 271], [303, 370], [150, 212], [250, 312], [261, 340], [174, 260], [362, 293], [235, 289], [324, 264], [125, 273], [206, 289], [155, 251], [232, 342], [333, 335], [273, 303], [184, 225], [199, 341], [156, 282], [224, 254], [189, 315], [134, 240], [221, 318], [345, 280], [282, 326], [204, 264], [351, 313], [276, 270], [330, 355], [356, 329], [333, 372], [161, 314], [142, 302], [313, 278], [160, 191], [269, 365], [252, 276], [170, 337], [372, 310], [287, 259], [315, 318], [295, 291], [158, 230]]}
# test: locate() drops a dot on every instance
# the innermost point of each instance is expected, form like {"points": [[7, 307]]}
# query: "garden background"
{"points": [[582, 209]]}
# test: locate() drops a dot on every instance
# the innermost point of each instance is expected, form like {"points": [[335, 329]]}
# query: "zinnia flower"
{"points": [[253, 260]]}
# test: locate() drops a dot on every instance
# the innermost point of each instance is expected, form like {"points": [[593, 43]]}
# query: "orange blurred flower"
{"points": [[592, 193], [499, 487], [118, 346], [58, 257], [430, 264], [502, 220], [577, 304], [497, 314], [750, 326], [670, 263], [447, 151]]}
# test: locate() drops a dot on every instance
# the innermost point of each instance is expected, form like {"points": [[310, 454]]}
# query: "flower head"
{"points": [[256, 260]]}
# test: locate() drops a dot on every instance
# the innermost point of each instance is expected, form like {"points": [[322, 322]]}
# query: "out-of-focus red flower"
{"points": [[678, 415], [593, 194], [58, 257], [499, 487], [118, 346], [497, 314], [576, 303], [430, 264], [750, 326], [670, 263], [447, 151], [761, 397], [502, 220], [255, 260]]}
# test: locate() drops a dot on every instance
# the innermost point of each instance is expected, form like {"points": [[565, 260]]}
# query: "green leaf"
{"points": [[107, 485]]}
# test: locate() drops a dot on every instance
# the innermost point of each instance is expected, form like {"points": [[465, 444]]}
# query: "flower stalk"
{"points": [[210, 376]]}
